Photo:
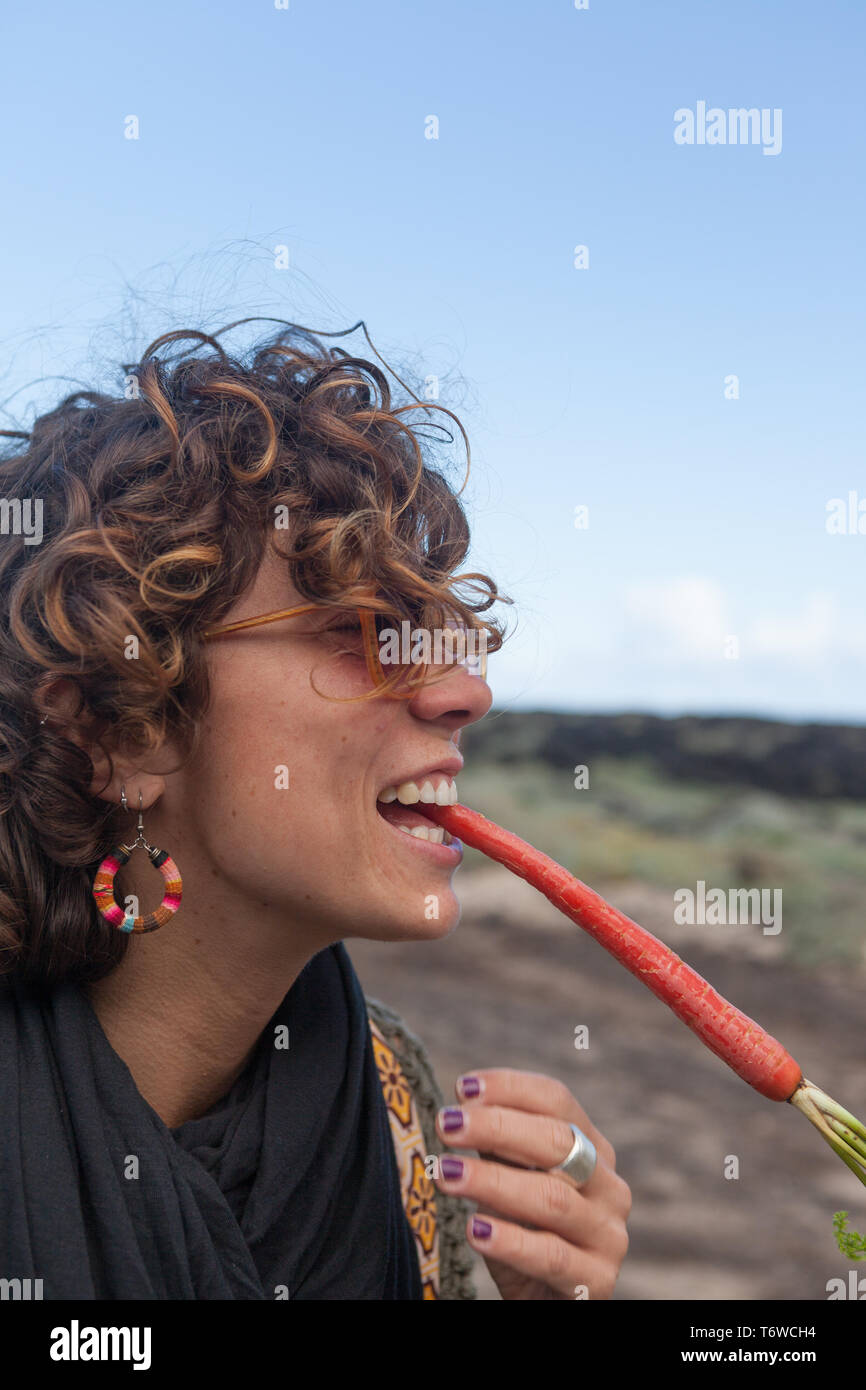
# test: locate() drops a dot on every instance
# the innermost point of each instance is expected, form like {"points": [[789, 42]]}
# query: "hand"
{"points": [[549, 1238]]}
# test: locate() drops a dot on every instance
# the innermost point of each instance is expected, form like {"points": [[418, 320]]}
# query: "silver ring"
{"points": [[580, 1163]]}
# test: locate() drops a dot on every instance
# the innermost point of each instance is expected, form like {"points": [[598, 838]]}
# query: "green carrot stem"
{"points": [[855, 1164], [832, 1107], [812, 1102], [850, 1138]]}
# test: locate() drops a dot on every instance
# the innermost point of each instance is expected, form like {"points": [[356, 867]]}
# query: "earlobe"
{"points": [[150, 784], [63, 710], [111, 774]]}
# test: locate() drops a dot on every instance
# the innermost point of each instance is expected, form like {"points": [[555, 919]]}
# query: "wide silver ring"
{"points": [[580, 1163]]}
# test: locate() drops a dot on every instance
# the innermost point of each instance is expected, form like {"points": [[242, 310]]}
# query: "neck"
{"points": [[188, 1003]]}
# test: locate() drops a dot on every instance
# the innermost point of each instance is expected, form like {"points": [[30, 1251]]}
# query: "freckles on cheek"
{"points": [[291, 763]]}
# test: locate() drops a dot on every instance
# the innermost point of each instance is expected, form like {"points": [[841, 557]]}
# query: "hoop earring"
{"points": [[103, 883]]}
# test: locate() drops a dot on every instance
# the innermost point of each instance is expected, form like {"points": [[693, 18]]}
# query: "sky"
{"points": [[659, 422]]}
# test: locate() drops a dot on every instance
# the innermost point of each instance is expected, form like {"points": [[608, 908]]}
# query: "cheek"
{"points": [[278, 768]]}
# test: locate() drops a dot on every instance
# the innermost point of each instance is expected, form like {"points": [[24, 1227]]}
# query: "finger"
{"points": [[534, 1141], [531, 1091], [541, 1200], [543, 1256]]}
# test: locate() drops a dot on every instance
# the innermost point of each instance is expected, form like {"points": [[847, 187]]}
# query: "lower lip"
{"points": [[449, 855]]}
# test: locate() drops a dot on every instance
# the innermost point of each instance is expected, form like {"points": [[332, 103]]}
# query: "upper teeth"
{"points": [[445, 794]]}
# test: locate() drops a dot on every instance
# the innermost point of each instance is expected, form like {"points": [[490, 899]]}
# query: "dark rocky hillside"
{"points": [[802, 760]]}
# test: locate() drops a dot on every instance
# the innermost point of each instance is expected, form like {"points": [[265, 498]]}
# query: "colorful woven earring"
{"points": [[103, 883]]}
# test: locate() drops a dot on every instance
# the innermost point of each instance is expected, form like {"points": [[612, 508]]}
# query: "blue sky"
{"points": [[601, 387]]}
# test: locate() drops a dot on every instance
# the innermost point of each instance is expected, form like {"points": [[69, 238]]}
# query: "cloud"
{"points": [[691, 617], [685, 616], [662, 644]]}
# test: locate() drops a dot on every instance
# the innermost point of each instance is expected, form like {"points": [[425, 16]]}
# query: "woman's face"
{"points": [[282, 792]]}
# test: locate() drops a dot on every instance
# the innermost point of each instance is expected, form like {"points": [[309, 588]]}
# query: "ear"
{"points": [[62, 706], [127, 776]]}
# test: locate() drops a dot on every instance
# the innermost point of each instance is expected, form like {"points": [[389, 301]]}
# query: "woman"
{"points": [[198, 1102]]}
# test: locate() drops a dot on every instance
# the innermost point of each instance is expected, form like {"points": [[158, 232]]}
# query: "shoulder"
{"points": [[409, 1051], [413, 1096]]}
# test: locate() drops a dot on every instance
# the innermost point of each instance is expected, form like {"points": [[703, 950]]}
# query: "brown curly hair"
{"points": [[158, 508]]}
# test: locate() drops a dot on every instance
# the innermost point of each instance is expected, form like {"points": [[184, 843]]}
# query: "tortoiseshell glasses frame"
{"points": [[369, 634]]}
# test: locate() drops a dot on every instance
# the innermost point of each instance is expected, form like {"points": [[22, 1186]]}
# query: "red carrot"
{"points": [[734, 1037]]}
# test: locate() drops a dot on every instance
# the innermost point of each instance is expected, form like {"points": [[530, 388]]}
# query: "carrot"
{"points": [[738, 1040]]}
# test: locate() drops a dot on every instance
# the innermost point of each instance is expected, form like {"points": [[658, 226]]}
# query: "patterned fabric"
{"points": [[413, 1097], [419, 1191]]}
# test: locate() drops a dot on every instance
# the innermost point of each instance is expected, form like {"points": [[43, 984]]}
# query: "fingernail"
{"points": [[451, 1118], [481, 1230], [451, 1168], [469, 1086]]}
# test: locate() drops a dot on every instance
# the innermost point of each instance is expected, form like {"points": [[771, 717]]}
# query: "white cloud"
{"points": [[685, 615], [661, 644], [691, 615], [819, 632]]}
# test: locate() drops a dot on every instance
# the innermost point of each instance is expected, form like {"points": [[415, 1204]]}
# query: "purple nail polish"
{"points": [[452, 1118], [469, 1086], [481, 1230], [451, 1168]]}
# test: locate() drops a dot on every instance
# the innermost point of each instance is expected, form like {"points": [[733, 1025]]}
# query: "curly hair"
{"points": [[157, 508]]}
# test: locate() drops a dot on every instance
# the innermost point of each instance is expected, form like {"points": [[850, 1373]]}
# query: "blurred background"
{"points": [[735, 803], [656, 349]]}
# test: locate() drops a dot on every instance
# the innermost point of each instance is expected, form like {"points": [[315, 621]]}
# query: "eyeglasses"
{"points": [[384, 648]]}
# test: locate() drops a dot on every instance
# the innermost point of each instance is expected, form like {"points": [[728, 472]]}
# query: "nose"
{"points": [[452, 701]]}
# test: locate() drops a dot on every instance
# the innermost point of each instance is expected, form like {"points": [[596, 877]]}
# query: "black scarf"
{"points": [[288, 1187]]}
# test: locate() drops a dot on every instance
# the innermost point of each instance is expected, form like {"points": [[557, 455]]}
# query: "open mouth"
{"points": [[403, 807]]}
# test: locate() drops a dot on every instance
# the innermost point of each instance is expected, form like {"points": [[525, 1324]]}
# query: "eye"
{"points": [[345, 635]]}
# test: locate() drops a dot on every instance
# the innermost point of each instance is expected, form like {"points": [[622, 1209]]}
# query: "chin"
{"points": [[413, 924]]}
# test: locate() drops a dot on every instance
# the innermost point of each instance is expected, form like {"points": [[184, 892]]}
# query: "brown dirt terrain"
{"points": [[511, 983]]}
